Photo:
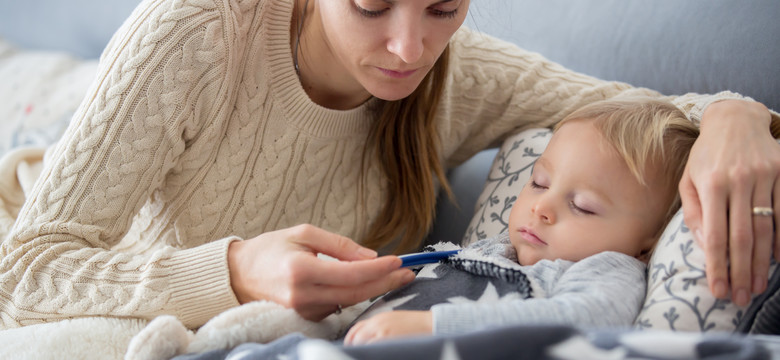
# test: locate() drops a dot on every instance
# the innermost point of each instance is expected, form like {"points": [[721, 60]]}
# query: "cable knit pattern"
{"points": [[197, 133]]}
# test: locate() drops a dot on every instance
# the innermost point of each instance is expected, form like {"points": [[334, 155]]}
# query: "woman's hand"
{"points": [[733, 167], [389, 325], [282, 266]]}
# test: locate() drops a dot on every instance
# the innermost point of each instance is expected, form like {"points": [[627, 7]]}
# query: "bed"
{"points": [[48, 57]]}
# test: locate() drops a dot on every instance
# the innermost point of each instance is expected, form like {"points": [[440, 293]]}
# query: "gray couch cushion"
{"points": [[675, 47]]}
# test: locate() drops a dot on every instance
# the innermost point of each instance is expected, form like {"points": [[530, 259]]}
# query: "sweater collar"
{"points": [[286, 88]]}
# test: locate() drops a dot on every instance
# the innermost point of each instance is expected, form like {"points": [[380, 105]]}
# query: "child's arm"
{"points": [[603, 290], [390, 324]]}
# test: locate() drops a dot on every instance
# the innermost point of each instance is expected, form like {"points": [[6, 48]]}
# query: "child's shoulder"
{"points": [[609, 264]]}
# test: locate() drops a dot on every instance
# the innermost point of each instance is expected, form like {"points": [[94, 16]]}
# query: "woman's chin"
{"points": [[393, 90]]}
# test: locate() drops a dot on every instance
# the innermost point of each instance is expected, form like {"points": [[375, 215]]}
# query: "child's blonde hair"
{"points": [[649, 134]]}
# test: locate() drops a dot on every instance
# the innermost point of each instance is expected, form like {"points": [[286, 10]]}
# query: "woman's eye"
{"points": [[369, 13], [444, 14], [579, 210]]}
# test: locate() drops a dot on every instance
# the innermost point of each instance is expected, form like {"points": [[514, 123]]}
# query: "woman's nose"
{"points": [[407, 42]]}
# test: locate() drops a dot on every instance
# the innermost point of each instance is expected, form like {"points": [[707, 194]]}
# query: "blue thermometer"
{"points": [[425, 257]]}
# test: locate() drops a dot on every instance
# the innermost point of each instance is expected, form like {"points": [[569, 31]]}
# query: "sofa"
{"points": [[49, 50]]}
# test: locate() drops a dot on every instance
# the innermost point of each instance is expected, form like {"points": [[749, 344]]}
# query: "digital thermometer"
{"points": [[425, 257]]}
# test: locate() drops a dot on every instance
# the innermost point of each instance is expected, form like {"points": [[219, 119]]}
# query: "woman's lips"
{"points": [[397, 74], [530, 236]]}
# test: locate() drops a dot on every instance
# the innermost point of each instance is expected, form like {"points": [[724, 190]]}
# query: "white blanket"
{"points": [[165, 336]]}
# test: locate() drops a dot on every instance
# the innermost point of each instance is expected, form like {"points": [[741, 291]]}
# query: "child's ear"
{"points": [[647, 246], [644, 255]]}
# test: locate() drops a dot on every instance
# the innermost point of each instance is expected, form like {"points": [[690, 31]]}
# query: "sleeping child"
{"points": [[580, 233]]}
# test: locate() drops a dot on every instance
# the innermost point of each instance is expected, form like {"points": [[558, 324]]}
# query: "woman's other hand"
{"points": [[282, 266], [389, 325], [733, 167]]}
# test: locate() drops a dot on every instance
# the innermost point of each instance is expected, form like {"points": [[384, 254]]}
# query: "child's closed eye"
{"points": [[535, 185], [580, 210]]}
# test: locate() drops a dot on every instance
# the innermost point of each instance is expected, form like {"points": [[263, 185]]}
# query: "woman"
{"points": [[215, 129]]}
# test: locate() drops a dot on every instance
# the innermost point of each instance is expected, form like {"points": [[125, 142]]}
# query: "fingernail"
{"points": [[367, 253], [720, 289], [408, 277], [396, 263], [758, 285], [743, 298]]}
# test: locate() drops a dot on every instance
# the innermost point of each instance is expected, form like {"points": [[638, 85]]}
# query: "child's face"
{"points": [[581, 200]]}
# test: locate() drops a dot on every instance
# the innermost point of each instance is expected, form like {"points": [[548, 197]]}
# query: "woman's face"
{"points": [[388, 46]]}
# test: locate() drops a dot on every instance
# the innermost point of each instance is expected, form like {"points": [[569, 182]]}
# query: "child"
{"points": [[579, 233]]}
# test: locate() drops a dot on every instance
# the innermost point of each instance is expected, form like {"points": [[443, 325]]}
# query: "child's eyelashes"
{"points": [[535, 185], [580, 210], [574, 207]]}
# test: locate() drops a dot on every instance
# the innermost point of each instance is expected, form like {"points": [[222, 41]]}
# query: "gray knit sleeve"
{"points": [[606, 289]]}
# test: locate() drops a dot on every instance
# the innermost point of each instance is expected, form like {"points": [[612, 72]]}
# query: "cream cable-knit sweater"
{"points": [[197, 133]]}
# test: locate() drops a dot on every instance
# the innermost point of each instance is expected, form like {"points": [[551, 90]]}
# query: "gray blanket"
{"points": [[515, 342]]}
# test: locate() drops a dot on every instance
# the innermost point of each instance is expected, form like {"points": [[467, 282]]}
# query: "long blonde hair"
{"points": [[406, 143]]}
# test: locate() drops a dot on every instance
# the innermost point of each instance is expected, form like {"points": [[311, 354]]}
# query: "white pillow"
{"points": [[40, 91], [678, 297]]}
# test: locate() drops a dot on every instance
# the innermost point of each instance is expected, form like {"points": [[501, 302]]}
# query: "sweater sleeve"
{"points": [[606, 289], [162, 82], [498, 89]]}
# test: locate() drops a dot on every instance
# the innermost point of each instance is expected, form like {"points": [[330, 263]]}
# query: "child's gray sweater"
{"points": [[484, 286]]}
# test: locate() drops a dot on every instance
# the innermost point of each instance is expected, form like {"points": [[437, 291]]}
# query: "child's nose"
{"points": [[544, 210]]}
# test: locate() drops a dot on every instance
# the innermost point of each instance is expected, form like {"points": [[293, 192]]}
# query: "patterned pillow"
{"points": [[678, 297], [40, 91]]}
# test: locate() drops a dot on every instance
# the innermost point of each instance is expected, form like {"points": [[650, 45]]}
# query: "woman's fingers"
{"points": [[315, 302], [714, 237], [349, 273], [692, 213], [741, 241], [328, 243], [349, 295], [316, 313], [764, 234]]}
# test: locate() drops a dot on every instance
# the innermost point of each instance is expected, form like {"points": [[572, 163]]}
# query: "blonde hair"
{"points": [[650, 134], [405, 141]]}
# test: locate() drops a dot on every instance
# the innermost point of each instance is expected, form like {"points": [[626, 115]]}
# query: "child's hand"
{"points": [[389, 325]]}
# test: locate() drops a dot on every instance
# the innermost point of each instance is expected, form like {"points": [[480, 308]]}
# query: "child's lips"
{"points": [[530, 236]]}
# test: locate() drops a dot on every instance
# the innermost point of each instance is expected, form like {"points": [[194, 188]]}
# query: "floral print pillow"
{"points": [[678, 297]]}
